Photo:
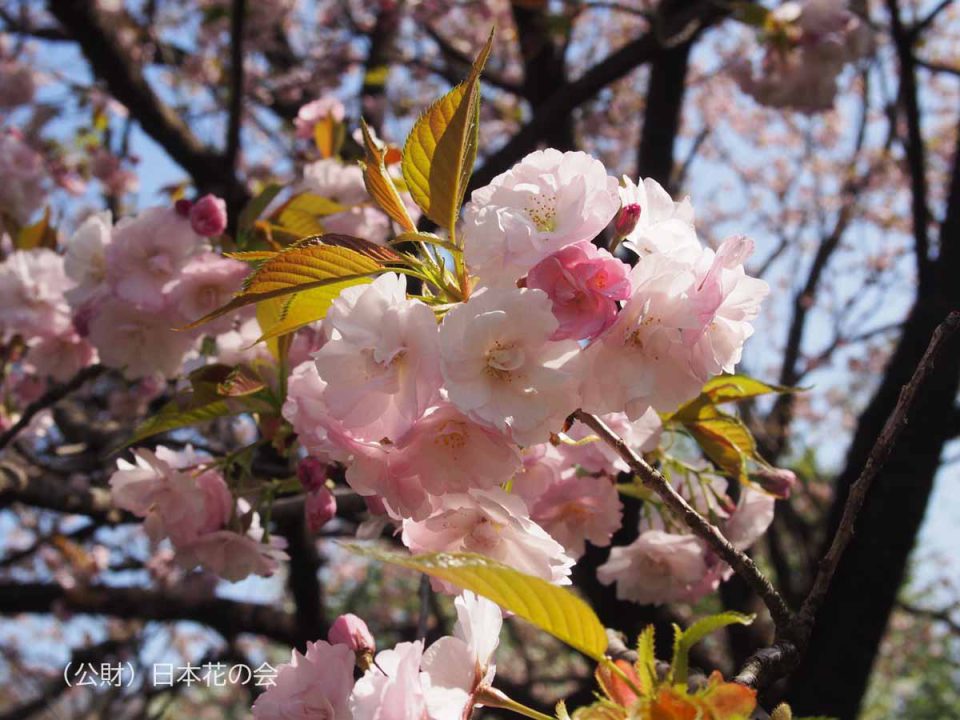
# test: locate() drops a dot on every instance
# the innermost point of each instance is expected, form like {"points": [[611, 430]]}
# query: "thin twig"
{"points": [[48, 399], [878, 456], [739, 561]]}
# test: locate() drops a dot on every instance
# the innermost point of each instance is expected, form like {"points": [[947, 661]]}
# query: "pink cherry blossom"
{"points": [[85, 259], [353, 632], [316, 684], [320, 507], [500, 366], [60, 356], [147, 254], [391, 689], [313, 112], [140, 343], [663, 226], [656, 568], [23, 189], [458, 665], [17, 84], [578, 508], [584, 284], [208, 216], [312, 473], [32, 304], [547, 201], [492, 523], [751, 519], [380, 361], [207, 283]]}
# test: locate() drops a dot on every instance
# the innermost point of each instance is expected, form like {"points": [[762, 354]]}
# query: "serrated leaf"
{"points": [[380, 185], [173, 416], [647, 659], [551, 608], [308, 265], [440, 151], [251, 256], [686, 639]]}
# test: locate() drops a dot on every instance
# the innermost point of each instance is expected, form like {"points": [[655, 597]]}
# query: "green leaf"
{"points": [[175, 415], [686, 639], [440, 151], [551, 608], [733, 388], [311, 264]]}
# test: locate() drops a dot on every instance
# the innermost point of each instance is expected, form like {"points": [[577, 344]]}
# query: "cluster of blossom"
{"points": [[138, 281], [183, 498], [806, 46], [407, 682], [25, 179], [458, 428]]}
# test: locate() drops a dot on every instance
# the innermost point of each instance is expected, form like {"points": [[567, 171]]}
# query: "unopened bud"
{"points": [[208, 216], [183, 207], [627, 220], [320, 508], [778, 482], [353, 632], [312, 473], [616, 686]]}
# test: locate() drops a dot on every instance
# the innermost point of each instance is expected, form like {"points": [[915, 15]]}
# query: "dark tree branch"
{"points": [[227, 617], [235, 119], [50, 398], [700, 526]]}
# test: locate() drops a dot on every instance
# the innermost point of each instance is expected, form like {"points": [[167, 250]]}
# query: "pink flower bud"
{"points": [[778, 482], [320, 507], [312, 474], [353, 632], [626, 220], [183, 207], [208, 216]]}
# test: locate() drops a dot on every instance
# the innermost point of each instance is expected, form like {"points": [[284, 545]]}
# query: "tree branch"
{"points": [[237, 21], [700, 526]]}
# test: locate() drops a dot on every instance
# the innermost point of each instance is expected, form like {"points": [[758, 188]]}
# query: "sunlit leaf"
{"points": [[647, 659], [731, 388], [39, 234], [440, 151], [551, 608], [308, 265], [327, 136], [686, 639], [726, 441], [252, 212], [179, 414], [379, 184]]}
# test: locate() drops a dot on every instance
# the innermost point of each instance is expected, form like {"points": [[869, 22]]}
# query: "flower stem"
{"points": [[491, 697]]}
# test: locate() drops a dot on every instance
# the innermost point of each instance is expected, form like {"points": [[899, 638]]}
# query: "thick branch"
{"points": [[227, 617], [235, 121], [700, 526]]}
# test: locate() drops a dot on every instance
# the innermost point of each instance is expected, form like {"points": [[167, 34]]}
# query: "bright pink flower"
{"points": [[320, 507], [313, 112], [547, 201], [353, 632], [584, 284], [312, 686], [492, 523], [657, 568], [500, 366], [147, 254], [208, 216]]}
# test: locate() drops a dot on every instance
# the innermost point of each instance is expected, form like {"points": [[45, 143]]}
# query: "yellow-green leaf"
{"points": [[647, 659], [726, 441], [731, 388], [379, 184], [440, 151], [308, 265], [174, 415], [40, 234], [551, 608], [686, 639]]}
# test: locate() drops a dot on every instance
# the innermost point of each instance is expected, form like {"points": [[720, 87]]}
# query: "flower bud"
{"points": [[183, 207], [320, 507], [353, 632], [626, 220], [778, 482], [312, 473], [208, 216]]}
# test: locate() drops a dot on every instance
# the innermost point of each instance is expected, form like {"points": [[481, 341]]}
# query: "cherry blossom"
{"points": [[315, 684], [545, 202], [392, 688], [85, 258], [662, 225]]}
